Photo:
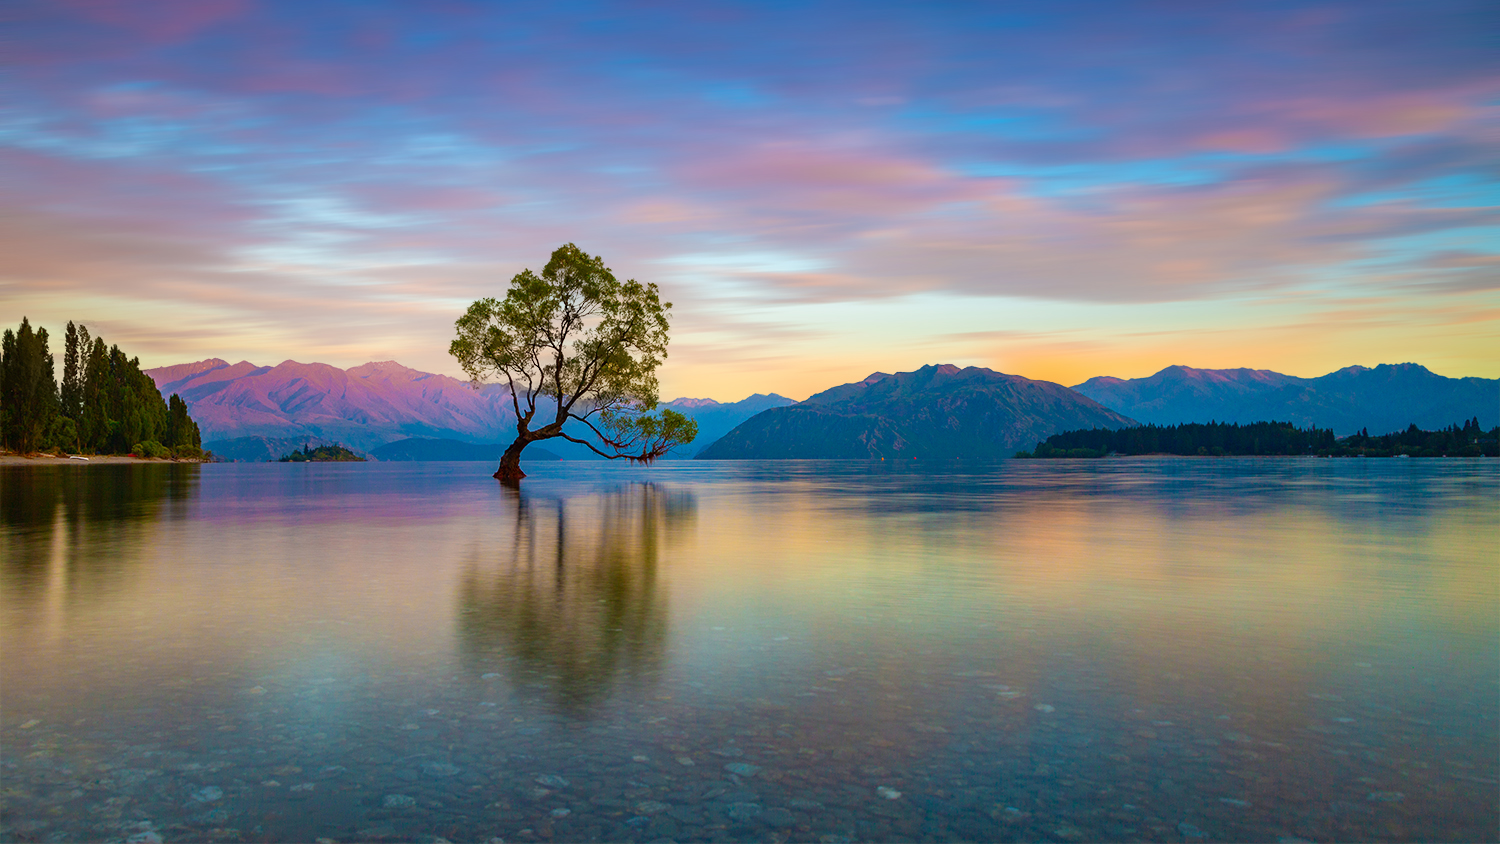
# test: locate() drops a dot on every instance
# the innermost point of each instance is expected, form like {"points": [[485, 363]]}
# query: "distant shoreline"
{"points": [[83, 460]]}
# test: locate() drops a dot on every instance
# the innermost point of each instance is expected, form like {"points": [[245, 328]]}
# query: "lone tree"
{"points": [[576, 341]]}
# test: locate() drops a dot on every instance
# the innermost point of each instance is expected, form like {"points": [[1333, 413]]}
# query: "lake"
{"points": [[1121, 649]]}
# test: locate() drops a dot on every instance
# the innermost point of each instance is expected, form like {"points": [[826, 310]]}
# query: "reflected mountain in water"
{"points": [[573, 605]]}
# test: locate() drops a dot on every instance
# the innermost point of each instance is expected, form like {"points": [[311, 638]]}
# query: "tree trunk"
{"points": [[510, 463]]}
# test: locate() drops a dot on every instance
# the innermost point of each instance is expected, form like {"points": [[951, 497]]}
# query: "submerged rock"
{"points": [[743, 811], [778, 817], [439, 769]]}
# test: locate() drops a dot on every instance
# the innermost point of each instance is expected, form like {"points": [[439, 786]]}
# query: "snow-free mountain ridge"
{"points": [[1385, 398], [936, 412], [382, 402], [379, 403]]}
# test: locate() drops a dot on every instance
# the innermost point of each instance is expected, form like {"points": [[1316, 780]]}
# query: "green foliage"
{"points": [[106, 404], [1468, 440], [152, 449], [28, 393], [575, 343], [1213, 438], [1269, 438], [63, 434], [322, 454], [655, 436], [182, 431], [72, 383]]}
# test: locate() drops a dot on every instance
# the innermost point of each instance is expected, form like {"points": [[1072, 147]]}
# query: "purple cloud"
{"points": [[271, 158]]}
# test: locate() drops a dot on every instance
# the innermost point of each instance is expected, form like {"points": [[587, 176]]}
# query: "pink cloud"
{"points": [[159, 21], [804, 178]]}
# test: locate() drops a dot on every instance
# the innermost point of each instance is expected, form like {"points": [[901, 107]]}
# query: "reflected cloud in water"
{"points": [[572, 604]]}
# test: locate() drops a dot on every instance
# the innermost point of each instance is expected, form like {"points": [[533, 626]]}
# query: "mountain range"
{"points": [[1384, 399], [248, 411], [376, 404], [363, 407], [935, 412]]}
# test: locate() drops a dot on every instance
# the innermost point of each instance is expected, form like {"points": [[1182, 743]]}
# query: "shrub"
{"points": [[151, 449]]}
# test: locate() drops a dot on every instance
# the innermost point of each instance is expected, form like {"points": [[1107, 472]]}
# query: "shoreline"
{"points": [[84, 460]]}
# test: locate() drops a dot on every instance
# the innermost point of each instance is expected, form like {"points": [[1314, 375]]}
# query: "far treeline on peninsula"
{"points": [[1216, 439]]}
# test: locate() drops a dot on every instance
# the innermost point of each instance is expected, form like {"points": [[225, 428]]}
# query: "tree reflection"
{"points": [[574, 605], [69, 522]]}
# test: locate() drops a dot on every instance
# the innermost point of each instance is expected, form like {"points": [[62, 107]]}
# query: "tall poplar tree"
{"points": [[72, 385], [93, 423], [28, 389], [106, 404]]}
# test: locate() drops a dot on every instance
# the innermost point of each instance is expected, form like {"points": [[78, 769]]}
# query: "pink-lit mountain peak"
{"points": [[390, 370], [365, 406], [1224, 376], [182, 371]]}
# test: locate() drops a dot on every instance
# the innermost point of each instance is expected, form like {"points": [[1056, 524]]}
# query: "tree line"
{"points": [[1470, 440], [104, 405], [1269, 438]]}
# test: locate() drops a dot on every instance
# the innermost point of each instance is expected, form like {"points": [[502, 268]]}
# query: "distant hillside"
{"points": [[1384, 399], [261, 449], [363, 407], [937, 412], [378, 403], [420, 448], [716, 419]]}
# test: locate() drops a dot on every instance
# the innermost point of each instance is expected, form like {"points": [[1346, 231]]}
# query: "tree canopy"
{"points": [[105, 403], [1268, 438], [575, 344]]}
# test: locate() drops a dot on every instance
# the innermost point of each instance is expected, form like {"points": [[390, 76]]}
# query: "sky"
{"points": [[1056, 190]]}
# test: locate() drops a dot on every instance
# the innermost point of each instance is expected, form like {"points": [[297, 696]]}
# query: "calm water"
{"points": [[1163, 650]]}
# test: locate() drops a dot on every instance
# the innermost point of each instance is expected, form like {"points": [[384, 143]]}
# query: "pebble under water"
{"points": [[1125, 650]]}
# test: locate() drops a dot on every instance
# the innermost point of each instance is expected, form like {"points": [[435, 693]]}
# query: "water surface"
{"points": [[1137, 649]]}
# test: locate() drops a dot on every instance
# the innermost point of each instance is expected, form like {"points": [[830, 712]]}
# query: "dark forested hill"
{"points": [[1385, 398], [936, 412], [715, 419]]}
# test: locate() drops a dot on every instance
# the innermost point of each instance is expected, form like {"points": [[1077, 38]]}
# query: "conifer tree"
{"points": [[71, 393], [93, 428], [105, 404], [28, 389]]}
